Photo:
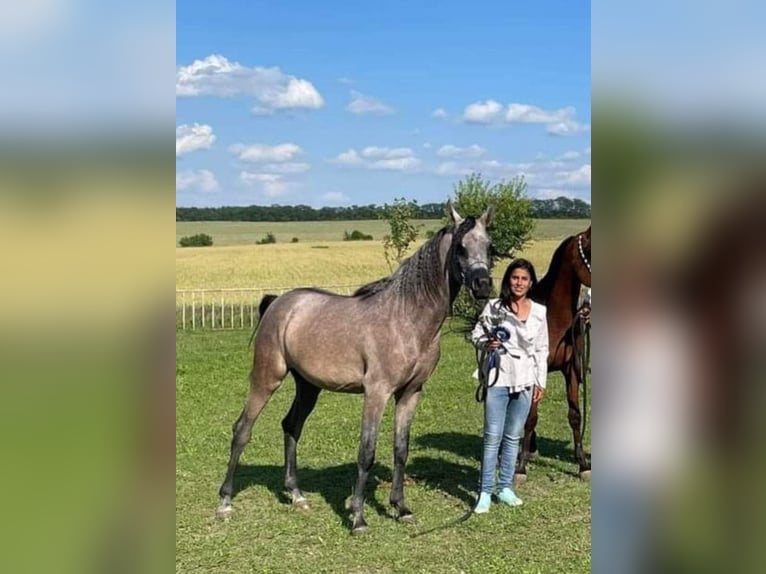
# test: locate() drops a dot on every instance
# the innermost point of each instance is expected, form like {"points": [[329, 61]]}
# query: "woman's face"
{"points": [[521, 281]]}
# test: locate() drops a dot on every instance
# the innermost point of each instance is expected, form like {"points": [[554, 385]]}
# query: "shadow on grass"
{"points": [[470, 447], [464, 445], [334, 483]]}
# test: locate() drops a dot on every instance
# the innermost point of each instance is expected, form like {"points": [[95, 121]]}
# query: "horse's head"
{"points": [[470, 253], [581, 256]]}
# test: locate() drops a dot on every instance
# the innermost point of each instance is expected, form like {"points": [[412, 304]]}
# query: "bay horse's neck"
{"points": [[559, 289]]}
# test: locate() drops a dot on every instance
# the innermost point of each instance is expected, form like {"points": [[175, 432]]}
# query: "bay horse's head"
{"points": [[469, 258], [581, 257]]}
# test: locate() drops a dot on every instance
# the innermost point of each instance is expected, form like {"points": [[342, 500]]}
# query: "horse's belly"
{"points": [[339, 374]]}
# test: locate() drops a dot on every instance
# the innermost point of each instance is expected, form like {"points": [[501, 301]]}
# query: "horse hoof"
{"points": [[223, 511], [407, 518], [585, 475], [301, 504], [519, 479], [532, 455], [359, 530]]}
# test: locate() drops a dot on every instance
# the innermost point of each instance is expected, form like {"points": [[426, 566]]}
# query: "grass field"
{"points": [[247, 233], [320, 258], [550, 533]]}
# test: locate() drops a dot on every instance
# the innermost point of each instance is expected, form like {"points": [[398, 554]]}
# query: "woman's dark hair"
{"points": [[505, 288]]}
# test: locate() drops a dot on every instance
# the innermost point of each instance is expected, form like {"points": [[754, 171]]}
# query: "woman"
{"points": [[514, 332]]}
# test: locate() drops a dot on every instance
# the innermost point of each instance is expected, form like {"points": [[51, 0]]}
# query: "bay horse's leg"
{"points": [[406, 401], [305, 400], [374, 405], [526, 447], [575, 420], [260, 392]]}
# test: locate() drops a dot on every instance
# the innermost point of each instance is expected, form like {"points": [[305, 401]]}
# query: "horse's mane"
{"points": [[543, 287], [422, 274]]}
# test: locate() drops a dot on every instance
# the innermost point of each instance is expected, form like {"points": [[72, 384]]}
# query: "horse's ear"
{"points": [[452, 214], [486, 217]]}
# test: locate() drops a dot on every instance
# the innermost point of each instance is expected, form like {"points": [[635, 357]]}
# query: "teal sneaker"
{"points": [[507, 496], [482, 505]]}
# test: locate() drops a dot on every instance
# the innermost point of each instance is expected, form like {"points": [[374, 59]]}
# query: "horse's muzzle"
{"points": [[480, 284]]}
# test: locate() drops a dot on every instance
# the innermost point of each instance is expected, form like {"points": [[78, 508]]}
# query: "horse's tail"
{"points": [[266, 300]]}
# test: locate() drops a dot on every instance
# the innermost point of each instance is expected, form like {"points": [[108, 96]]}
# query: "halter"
{"points": [[582, 253]]}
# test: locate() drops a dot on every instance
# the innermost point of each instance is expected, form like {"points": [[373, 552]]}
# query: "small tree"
{"points": [[199, 240], [510, 230], [268, 238], [403, 233]]}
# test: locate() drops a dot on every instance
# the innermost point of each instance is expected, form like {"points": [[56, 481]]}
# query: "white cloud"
{"points": [[587, 150], [382, 158], [362, 104], [272, 89], [346, 81], [193, 137], [334, 197], [570, 155], [558, 122], [439, 113], [527, 114], [451, 168], [201, 180], [291, 167], [396, 164], [580, 176], [452, 151], [567, 128], [349, 157], [483, 112], [374, 152], [272, 184], [265, 153]]}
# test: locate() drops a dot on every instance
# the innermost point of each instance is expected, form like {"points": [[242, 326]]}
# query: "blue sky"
{"points": [[342, 103]]}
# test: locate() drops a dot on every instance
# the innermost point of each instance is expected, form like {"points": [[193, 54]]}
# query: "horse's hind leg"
{"points": [[526, 447], [259, 394], [406, 401], [305, 399], [575, 420]]}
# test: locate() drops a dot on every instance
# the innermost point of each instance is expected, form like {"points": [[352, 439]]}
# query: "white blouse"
{"points": [[524, 356]]}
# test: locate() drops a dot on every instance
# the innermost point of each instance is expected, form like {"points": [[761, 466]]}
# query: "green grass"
{"points": [[247, 233], [550, 533]]}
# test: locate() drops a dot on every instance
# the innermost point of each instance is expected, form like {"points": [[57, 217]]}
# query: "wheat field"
{"points": [[315, 262]]}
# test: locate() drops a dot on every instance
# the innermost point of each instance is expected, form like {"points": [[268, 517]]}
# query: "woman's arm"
{"points": [[541, 352], [479, 336]]}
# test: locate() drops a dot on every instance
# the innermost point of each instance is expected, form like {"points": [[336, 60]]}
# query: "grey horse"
{"points": [[382, 341]]}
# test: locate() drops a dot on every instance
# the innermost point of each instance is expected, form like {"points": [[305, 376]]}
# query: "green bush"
{"points": [[268, 238], [199, 240], [294, 240], [356, 235]]}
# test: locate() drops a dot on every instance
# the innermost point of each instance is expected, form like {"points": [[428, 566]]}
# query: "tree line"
{"points": [[558, 208]]}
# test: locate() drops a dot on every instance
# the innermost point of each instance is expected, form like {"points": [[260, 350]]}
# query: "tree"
{"points": [[199, 240], [512, 223], [509, 231], [403, 233]]}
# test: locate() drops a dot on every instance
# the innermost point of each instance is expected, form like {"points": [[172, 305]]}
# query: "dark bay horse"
{"points": [[383, 341], [559, 291]]}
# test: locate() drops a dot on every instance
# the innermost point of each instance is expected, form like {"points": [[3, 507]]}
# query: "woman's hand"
{"points": [[493, 344], [537, 394]]}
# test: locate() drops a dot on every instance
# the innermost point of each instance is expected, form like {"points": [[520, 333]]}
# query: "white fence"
{"points": [[228, 308]]}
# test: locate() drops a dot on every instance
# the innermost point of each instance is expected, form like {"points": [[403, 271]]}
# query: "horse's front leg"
{"points": [[374, 405], [406, 401]]}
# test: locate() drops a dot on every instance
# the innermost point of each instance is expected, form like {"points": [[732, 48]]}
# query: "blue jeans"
{"points": [[504, 416]]}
